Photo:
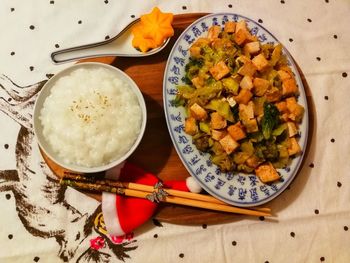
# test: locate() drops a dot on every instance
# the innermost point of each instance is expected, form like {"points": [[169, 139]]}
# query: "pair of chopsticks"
{"points": [[166, 195]]}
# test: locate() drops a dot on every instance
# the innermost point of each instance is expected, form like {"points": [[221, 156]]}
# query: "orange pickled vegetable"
{"points": [[153, 29]]}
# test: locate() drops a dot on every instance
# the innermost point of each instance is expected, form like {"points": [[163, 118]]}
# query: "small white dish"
{"points": [[46, 91]]}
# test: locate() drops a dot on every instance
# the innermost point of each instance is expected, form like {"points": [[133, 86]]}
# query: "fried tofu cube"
{"points": [[241, 32], [218, 135], [220, 43], [281, 106], [253, 161], [248, 69], [198, 82], [195, 51], [236, 131], [260, 86], [244, 96], [217, 121], [289, 87], [267, 173], [246, 112], [291, 104], [240, 37], [273, 94], [241, 25], [198, 112], [292, 129], [246, 82], [294, 147], [191, 127], [219, 71], [229, 144], [260, 62], [296, 110], [251, 125], [284, 74], [243, 59], [214, 32], [284, 117], [230, 27], [252, 47]]}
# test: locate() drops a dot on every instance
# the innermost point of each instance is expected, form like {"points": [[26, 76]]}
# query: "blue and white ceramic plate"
{"points": [[234, 188]]}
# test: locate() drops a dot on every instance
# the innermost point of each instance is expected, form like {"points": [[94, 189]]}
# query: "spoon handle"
{"points": [[99, 49], [119, 45]]}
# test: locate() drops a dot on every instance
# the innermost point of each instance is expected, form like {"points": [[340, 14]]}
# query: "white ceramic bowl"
{"points": [[45, 92]]}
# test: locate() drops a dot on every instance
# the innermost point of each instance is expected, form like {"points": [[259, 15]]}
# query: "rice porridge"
{"points": [[91, 117]]}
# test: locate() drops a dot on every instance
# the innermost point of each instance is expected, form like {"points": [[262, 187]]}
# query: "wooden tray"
{"points": [[156, 152]]}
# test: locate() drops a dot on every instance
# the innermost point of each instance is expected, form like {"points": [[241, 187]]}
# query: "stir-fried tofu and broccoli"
{"points": [[241, 102]]}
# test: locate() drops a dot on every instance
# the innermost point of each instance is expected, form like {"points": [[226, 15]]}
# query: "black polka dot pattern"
{"points": [[80, 22], [344, 74], [346, 228], [290, 40], [57, 45], [317, 211], [322, 259], [326, 97], [31, 68], [155, 235], [204, 226], [339, 184], [261, 218], [184, 7], [36, 259], [157, 223], [230, 6], [318, 58], [234, 243], [6, 146], [106, 37], [106, 1], [12, 9], [282, 2], [13, 53], [292, 234], [8, 196], [332, 140], [327, 1], [132, 16], [31, 27], [260, 21], [311, 165], [52, 2], [335, 36], [181, 255], [10, 236], [309, 20]]}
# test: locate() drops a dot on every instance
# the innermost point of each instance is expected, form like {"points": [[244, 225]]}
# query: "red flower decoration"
{"points": [[97, 243]]}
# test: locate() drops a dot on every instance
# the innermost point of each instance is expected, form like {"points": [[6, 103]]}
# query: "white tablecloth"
{"points": [[313, 216]]}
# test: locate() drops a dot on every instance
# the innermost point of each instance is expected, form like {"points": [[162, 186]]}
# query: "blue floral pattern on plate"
{"points": [[234, 188]]}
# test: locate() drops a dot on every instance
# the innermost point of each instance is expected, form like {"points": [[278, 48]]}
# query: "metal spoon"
{"points": [[119, 45]]}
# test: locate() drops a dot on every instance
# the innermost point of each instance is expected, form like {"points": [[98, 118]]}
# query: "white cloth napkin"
{"points": [[313, 216]]}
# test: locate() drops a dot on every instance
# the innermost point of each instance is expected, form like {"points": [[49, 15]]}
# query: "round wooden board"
{"points": [[156, 152]]}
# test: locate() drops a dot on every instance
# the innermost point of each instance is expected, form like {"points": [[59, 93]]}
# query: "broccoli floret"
{"points": [[270, 119]]}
